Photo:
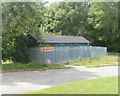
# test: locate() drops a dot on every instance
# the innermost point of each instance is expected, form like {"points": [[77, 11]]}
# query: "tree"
{"points": [[18, 19], [65, 18], [103, 18], [96, 21]]}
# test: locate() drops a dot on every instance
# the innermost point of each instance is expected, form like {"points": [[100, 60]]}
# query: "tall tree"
{"points": [[65, 18], [18, 18], [103, 18], [97, 21]]}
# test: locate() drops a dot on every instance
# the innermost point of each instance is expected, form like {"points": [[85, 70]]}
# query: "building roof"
{"points": [[63, 39]]}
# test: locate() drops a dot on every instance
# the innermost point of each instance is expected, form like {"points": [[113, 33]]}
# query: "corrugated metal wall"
{"points": [[67, 54]]}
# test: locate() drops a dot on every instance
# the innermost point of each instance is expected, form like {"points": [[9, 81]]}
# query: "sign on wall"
{"points": [[47, 49]]}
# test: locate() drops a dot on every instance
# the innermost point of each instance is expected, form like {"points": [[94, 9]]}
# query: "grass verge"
{"points": [[107, 85], [108, 60], [29, 66]]}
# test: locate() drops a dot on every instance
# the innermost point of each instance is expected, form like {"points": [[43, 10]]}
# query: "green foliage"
{"points": [[21, 53], [65, 18], [18, 18], [103, 18], [97, 21]]}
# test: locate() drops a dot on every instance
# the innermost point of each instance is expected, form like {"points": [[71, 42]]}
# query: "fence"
{"points": [[60, 55]]}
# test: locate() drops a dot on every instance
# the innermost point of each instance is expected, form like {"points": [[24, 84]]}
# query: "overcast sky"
{"points": [[52, 1]]}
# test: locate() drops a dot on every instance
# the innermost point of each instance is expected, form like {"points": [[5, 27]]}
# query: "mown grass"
{"points": [[107, 85], [29, 66], [108, 60]]}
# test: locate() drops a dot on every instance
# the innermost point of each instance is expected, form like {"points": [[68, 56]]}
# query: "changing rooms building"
{"points": [[54, 49]]}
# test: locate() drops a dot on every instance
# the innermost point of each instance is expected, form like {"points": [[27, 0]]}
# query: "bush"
{"points": [[21, 53]]}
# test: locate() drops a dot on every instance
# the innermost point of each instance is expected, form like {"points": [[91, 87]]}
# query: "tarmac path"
{"points": [[27, 81]]}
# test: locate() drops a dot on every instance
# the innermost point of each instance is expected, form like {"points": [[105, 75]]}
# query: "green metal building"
{"points": [[54, 49]]}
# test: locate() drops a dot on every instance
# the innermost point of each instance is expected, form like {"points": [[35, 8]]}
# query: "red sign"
{"points": [[47, 49]]}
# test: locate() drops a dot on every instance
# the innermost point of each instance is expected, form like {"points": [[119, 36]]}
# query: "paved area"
{"points": [[22, 82]]}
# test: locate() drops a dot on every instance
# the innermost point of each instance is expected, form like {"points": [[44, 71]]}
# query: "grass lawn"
{"points": [[107, 85], [31, 66], [109, 60]]}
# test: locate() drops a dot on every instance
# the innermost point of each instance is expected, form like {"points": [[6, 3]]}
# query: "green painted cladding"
{"points": [[64, 44]]}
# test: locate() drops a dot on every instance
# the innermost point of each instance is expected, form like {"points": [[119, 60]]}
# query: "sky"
{"points": [[52, 1]]}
